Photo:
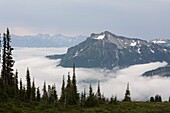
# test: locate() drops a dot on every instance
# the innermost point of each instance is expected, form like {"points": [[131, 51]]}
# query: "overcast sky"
{"points": [[145, 19]]}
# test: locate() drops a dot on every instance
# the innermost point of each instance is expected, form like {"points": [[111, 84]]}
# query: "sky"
{"points": [[145, 19], [112, 82]]}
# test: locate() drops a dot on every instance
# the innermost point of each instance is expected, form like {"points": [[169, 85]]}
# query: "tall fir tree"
{"points": [[127, 94], [91, 99], [7, 65], [16, 85], [38, 94], [69, 99], [52, 94], [63, 92], [21, 90], [55, 93], [33, 90], [28, 79], [74, 86], [83, 98], [9, 60], [45, 95], [98, 92], [4, 68]]}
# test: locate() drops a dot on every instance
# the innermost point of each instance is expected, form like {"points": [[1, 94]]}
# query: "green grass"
{"points": [[119, 107]]}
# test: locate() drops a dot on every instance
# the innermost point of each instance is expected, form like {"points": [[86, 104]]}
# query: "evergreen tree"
{"points": [[9, 60], [16, 85], [33, 91], [28, 85], [63, 93], [55, 93], [74, 86], [98, 92], [69, 91], [91, 99], [152, 99], [4, 66], [52, 94], [127, 94], [158, 98], [83, 98], [44, 96], [7, 65], [112, 99], [25, 96], [38, 94], [21, 92]]}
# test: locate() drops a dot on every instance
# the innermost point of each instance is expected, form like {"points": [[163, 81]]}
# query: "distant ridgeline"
{"points": [[45, 40], [106, 50], [161, 71]]}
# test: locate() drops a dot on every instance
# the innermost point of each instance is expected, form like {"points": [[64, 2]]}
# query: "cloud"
{"points": [[143, 18], [113, 82]]}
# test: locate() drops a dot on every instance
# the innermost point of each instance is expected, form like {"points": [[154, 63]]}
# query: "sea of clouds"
{"points": [[112, 82]]}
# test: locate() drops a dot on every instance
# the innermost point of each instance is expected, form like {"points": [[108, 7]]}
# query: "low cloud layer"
{"points": [[112, 82]]}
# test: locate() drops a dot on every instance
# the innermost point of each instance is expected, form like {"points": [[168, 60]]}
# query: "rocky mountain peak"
{"points": [[106, 50]]}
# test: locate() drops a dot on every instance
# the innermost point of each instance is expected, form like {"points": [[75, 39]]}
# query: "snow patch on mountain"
{"points": [[159, 41], [152, 50], [139, 51], [133, 43], [100, 37]]}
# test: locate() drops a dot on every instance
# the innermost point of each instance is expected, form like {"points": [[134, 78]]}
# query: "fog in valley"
{"points": [[113, 82]]}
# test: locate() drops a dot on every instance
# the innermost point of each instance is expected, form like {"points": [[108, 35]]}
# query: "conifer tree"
{"points": [[38, 94], [28, 85], [21, 90], [91, 99], [4, 68], [63, 93], [50, 95], [69, 99], [33, 91], [44, 96], [98, 92], [25, 96], [158, 98], [54, 93], [127, 94], [9, 60], [112, 99], [152, 99], [16, 85], [83, 98], [74, 86]]}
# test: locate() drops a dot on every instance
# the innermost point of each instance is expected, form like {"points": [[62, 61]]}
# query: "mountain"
{"points": [[107, 50], [162, 42], [162, 71], [45, 40]]}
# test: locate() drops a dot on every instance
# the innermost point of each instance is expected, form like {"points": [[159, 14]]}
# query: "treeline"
{"points": [[12, 88]]}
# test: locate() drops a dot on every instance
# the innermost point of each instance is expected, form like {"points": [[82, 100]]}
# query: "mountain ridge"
{"points": [[107, 50], [45, 40]]}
